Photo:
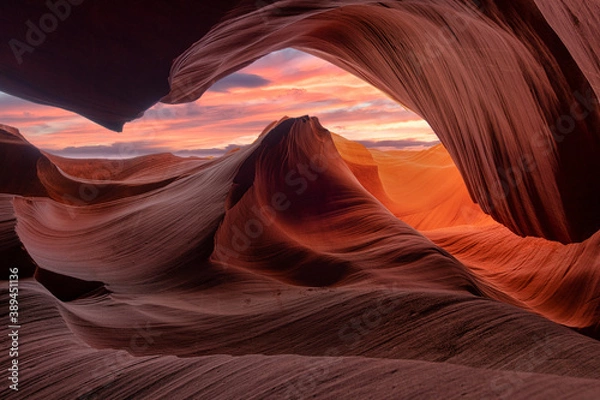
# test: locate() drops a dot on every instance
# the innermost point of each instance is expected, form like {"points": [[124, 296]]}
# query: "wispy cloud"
{"points": [[239, 80], [400, 144], [233, 112], [135, 149]]}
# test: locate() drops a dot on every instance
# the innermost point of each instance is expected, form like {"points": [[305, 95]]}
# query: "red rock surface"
{"points": [[511, 88], [282, 270], [304, 264]]}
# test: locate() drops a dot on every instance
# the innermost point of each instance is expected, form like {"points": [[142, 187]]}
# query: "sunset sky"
{"points": [[232, 113]]}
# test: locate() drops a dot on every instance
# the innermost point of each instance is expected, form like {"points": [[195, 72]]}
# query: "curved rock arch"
{"points": [[510, 88], [501, 94]]}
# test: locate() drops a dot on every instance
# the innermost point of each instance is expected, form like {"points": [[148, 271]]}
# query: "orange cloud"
{"points": [[235, 111]]}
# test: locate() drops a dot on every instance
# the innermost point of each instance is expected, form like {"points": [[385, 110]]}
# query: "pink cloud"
{"points": [[235, 111]]}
